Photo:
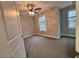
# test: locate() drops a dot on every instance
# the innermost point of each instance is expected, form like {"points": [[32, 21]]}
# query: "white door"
{"points": [[77, 28], [12, 26]]}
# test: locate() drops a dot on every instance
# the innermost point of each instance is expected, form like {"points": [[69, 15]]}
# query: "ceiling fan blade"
{"points": [[35, 12], [23, 11], [37, 9]]}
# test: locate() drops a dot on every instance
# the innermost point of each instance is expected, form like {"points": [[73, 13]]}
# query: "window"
{"points": [[72, 19], [42, 23]]}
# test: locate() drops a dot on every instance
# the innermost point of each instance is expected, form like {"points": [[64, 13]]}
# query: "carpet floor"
{"points": [[43, 47]]}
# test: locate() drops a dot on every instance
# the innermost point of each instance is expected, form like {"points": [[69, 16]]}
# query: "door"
{"points": [[77, 30], [13, 29], [3, 47]]}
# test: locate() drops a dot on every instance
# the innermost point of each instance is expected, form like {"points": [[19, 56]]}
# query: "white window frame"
{"points": [[71, 18]]}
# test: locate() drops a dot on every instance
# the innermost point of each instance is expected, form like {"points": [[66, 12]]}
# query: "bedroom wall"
{"points": [[52, 24], [27, 24], [64, 21]]}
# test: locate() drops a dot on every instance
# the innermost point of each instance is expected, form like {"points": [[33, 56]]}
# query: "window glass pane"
{"points": [[72, 13], [72, 23], [42, 23], [42, 19]]}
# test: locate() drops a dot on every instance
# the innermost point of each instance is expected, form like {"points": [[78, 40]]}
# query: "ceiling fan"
{"points": [[31, 10]]}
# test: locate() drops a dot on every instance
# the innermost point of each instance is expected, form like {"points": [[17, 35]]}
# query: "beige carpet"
{"points": [[42, 47]]}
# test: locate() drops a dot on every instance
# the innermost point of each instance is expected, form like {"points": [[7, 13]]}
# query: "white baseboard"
{"points": [[49, 36], [67, 35], [42, 35], [28, 36]]}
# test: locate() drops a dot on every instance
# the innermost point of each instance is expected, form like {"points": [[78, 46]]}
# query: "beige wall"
{"points": [[52, 23], [77, 30], [27, 24], [30, 24]]}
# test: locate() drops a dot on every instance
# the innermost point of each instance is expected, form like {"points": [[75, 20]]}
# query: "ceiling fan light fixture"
{"points": [[31, 13], [31, 9], [30, 6]]}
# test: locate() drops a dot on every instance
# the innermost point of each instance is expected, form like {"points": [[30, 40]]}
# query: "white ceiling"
{"points": [[45, 5]]}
